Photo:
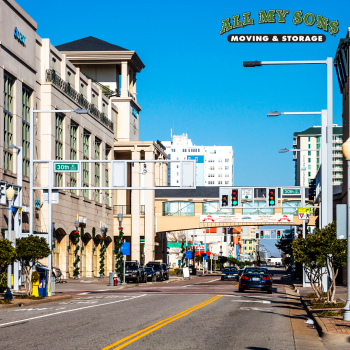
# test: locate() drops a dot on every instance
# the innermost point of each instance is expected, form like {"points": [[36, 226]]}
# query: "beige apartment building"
{"points": [[86, 74]]}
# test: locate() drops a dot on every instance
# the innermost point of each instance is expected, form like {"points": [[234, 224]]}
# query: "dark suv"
{"points": [[158, 269], [133, 271]]}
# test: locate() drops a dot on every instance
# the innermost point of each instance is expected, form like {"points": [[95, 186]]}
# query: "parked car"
{"points": [[158, 269], [165, 271], [255, 278], [133, 271], [229, 273], [151, 275], [143, 275]]}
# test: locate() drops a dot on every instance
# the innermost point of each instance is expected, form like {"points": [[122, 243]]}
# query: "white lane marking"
{"points": [[94, 291], [254, 308], [253, 301], [194, 284], [80, 308], [34, 309]]}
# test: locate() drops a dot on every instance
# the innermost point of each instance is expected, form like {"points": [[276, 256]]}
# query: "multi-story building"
{"points": [[307, 162], [86, 74], [214, 163], [249, 244]]}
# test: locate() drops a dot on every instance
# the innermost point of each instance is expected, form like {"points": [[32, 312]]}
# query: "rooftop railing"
{"points": [[64, 86]]}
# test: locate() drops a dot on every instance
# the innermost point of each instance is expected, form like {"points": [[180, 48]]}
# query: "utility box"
{"points": [[43, 281], [35, 283]]}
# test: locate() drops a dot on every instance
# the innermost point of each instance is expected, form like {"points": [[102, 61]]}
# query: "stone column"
{"points": [[135, 208], [124, 89], [149, 210]]}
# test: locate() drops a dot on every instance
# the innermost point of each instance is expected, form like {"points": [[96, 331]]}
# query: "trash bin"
{"points": [[111, 278], [43, 280]]}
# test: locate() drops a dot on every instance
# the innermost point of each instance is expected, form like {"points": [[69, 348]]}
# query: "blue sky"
{"points": [[194, 78]]}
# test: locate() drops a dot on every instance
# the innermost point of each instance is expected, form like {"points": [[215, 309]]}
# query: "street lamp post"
{"points": [[10, 193], [327, 128], [346, 152], [50, 176], [103, 244]]}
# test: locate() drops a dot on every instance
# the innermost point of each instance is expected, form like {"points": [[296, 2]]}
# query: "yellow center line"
{"points": [[236, 285], [158, 325]]}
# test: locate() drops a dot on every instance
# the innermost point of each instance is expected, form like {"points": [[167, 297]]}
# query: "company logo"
{"points": [[280, 16], [20, 37]]}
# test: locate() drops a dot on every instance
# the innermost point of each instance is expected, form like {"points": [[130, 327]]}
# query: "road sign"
{"points": [[303, 210], [125, 248], [66, 167], [291, 191], [247, 193], [216, 257], [304, 216], [188, 254]]}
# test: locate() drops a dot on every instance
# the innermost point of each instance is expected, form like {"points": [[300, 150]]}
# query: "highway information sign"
{"points": [[66, 167], [291, 191]]}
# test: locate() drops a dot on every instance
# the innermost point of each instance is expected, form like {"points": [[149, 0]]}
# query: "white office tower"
{"points": [[214, 163]]}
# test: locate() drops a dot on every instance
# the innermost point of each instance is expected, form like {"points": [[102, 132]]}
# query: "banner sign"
{"points": [[237, 218]]}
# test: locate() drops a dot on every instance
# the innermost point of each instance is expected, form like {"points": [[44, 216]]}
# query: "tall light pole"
{"points": [[10, 193], [50, 179], [326, 162], [328, 127], [346, 152]]}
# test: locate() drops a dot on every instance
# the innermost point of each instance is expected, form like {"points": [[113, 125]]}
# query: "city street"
{"points": [[203, 312]]}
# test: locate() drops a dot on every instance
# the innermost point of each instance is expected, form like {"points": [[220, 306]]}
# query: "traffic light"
{"points": [[272, 197], [257, 234], [235, 198], [262, 234], [278, 234], [312, 189], [224, 200]]}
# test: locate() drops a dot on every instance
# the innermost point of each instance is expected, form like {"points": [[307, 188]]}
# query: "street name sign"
{"points": [[291, 191], [66, 167]]}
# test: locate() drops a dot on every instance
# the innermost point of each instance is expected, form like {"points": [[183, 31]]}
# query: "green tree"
{"points": [[7, 256], [334, 255], [285, 244], [29, 250], [119, 257], [232, 261], [198, 258]]}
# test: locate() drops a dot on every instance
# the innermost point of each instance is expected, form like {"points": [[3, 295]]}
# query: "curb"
{"points": [[17, 302], [321, 328]]}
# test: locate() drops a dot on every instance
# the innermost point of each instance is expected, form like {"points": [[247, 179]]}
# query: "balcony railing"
{"points": [[126, 209], [53, 77], [105, 90]]}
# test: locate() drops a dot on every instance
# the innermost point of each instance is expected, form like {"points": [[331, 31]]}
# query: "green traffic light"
{"points": [[234, 203], [272, 202]]}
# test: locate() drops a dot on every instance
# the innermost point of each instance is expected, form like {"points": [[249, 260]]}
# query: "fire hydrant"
{"points": [[115, 280]]}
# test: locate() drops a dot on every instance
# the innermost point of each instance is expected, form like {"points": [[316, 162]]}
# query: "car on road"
{"points": [[165, 271], [158, 269], [133, 272], [151, 275], [229, 273], [255, 278]]}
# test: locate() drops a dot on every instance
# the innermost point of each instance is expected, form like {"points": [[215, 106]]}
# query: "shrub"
{"points": [[328, 305], [5, 301], [326, 313], [28, 297], [313, 295]]}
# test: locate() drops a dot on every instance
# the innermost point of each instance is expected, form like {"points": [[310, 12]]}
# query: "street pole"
{"points": [[9, 294], [346, 315], [186, 250], [205, 250]]}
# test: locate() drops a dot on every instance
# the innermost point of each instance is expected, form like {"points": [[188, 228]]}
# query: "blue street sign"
{"points": [[205, 257], [189, 254], [125, 248]]}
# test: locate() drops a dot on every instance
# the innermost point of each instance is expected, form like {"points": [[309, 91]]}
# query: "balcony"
{"points": [[337, 176], [337, 162], [126, 209], [65, 87]]}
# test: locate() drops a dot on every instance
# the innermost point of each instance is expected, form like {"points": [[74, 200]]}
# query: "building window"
{"points": [[227, 160], [25, 129], [53, 63], [86, 166], [219, 175], [309, 153], [309, 167], [220, 160], [309, 160], [107, 175], [93, 99], [309, 173], [68, 76], [226, 168], [212, 168], [8, 121], [227, 175], [73, 152], [309, 138], [226, 182], [59, 147], [219, 182], [309, 146], [213, 151], [97, 168]]}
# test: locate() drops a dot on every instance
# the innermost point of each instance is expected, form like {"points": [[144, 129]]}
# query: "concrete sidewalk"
{"points": [[335, 332]]}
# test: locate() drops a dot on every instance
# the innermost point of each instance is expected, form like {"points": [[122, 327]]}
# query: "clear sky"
{"points": [[194, 78]]}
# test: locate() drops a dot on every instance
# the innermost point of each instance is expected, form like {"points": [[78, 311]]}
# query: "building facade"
{"points": [[86, 74], [214, 163], [307, 162]]}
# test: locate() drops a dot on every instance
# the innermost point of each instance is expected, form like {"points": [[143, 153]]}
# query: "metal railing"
{"points": [[126, 209], [178, 213], [53, 77], [105, 90]]}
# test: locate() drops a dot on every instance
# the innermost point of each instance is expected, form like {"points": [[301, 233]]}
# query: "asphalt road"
{"points": [[203, 313]]}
